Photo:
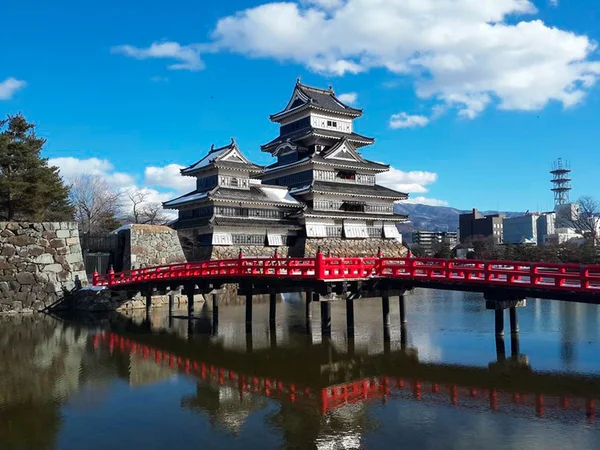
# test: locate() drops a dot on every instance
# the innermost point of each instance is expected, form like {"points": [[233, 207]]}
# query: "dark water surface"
{"points": [[121, 382]]}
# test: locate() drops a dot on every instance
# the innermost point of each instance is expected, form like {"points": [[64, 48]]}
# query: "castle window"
{"points": [[332, 123]]}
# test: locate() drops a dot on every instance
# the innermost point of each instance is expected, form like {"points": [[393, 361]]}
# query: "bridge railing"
{"points": [[551, 276]]}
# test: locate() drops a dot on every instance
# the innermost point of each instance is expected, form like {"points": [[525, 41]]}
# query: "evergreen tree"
{"points": [[29, 188]]}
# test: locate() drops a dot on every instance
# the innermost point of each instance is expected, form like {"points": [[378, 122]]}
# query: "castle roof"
{"points": [[308, 97], [227, 157]]}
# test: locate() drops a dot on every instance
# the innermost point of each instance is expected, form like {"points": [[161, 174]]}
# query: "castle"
{"points": [[320, 192]]}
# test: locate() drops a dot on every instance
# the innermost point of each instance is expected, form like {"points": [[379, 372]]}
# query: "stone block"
{"points": [[4, 287], [13, 226], [73, 241], [25, 288], [49, 235], [25, 278], [14, 285], [37, 227], [21, 240], [57, 243], [51, 226], [51, 288], [8, 250], [75, 249], [44, 259], [60, 259], [63, 234], [6, 233], [65, 275], [74, 257], [53, 268], [35, 250], [78, 266], [62, 250], [7, 266], [38, 305], [17, 306], [41, 277]]}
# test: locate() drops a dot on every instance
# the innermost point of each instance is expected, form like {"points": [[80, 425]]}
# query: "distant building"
{"points": [[476, 224], [531, 228], [546, 227], [566, 215], [520, 230], [428, 241]]}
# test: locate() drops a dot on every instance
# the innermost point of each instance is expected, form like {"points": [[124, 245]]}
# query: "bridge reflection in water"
{"points": [[317, 379]]}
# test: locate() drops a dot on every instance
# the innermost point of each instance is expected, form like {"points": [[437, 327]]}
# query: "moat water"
{"points": [[125, 382]]}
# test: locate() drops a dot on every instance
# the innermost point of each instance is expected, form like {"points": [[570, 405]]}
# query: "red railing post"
{"points": [[533, 274], [320, 265], [95, 278], [111, 276], [379, 263], [584, 283]]}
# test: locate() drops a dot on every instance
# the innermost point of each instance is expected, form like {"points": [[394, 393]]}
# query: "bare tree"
{"points": [[138, 198], [587, 220], [96, 204], [153, 214], [142, 211]]}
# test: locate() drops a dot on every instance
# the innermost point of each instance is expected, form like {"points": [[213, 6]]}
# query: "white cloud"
{"points": [[554, 3], [461, 53], [71, 168], [169, 177], [426, 201], [404, 120], [349, 98], [409, 182], [159, 79], [9, 86], [187, 56]]}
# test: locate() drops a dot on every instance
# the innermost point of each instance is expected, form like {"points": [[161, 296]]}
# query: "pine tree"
{"points": [[29, 188]]}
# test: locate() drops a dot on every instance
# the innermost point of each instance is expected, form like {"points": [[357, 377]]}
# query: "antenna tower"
{"points": [[561, 181]]}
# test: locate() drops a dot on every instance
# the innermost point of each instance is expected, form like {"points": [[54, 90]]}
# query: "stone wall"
{"points": [[37, 261], [151, 245], [354, 247]]}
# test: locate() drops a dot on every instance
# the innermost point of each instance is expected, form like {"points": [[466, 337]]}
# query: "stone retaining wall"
{"points": [[151, 245], [354, 247], [37, 262]]}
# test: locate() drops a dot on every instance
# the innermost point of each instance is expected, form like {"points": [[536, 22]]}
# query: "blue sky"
{"points": [[469, 101]]}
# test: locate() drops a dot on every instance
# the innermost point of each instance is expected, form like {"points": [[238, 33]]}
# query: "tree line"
{"points": [[32, 190]]}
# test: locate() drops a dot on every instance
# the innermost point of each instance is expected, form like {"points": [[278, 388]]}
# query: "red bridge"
{"points": [[479, 275], [505, 284]]}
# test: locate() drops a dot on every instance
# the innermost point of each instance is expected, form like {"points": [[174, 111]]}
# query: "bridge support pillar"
{"points": [[148, 301], [500, 348], [326, 318], [385, 309], [272, 309], [171, 303], [190, 305], [515, 349], [215, 314], [403, 338], [514, 324], [350, 318], [308, 312], [402, 304], [499, 322], [249, 311]]}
